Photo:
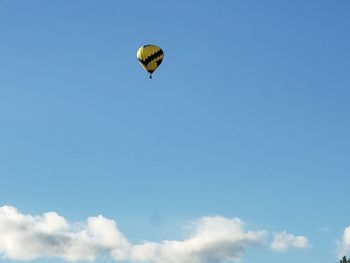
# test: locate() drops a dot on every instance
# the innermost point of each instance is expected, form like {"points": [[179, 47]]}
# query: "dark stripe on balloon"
{"points": [[141, 61], [151, 57], [159, 62]]}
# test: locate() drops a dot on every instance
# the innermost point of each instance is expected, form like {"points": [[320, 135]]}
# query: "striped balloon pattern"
{"points": [[150, 57]]}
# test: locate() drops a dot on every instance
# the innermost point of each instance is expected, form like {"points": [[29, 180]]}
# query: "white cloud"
{"points": [[211, 239], [283, 241], [344, 244], [27, 237], [214, 239]]}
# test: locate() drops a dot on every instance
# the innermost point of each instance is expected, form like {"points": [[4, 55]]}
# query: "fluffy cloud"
{"points": [[27, 237], [211, 239], [283, 241], [344, 243], [214, 239]]}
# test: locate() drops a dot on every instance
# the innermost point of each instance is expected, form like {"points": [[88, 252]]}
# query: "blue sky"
{"points": [[248, 117]]}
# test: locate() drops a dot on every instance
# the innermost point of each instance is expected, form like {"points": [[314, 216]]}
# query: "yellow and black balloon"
{"points": [[150, 57]]}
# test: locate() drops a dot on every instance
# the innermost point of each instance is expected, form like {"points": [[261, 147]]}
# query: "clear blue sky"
{"points": [[248, 116]]}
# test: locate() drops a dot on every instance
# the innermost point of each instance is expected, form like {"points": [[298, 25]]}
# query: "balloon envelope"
{"points": [[150, 57]]}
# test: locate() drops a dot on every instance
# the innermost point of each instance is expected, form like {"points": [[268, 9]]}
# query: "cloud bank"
{"points": [[214, 239], [211, 239], [344, 244], [283, 241], [26, 237]]}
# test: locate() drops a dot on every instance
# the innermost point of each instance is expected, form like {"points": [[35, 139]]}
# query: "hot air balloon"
{"points": [[150, 57]]}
